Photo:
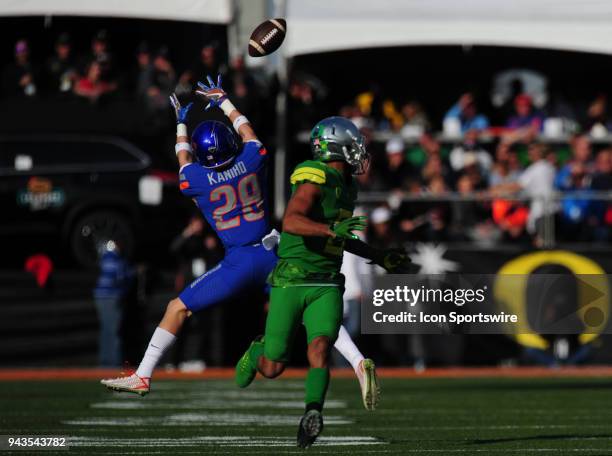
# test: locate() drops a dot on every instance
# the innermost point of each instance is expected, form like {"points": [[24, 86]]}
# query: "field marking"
{"points": [[509, 427], [228, 441], [508, 450], [210, 404], [199, 419], [218, 394]]}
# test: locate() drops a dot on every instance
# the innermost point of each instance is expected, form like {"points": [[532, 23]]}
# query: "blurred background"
{"points": [[488, 126]]}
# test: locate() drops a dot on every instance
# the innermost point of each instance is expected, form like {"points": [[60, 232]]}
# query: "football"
{"points": [[267, 37]]}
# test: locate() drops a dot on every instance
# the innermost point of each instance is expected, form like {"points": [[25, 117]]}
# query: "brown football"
{"points": [[267, 37]]}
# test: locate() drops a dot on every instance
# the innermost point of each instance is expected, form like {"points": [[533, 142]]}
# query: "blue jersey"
{"points": [[233, 201]]}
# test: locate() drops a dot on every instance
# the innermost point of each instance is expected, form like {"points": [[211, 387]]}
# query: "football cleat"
{"points": [[245, 372], [130, 384], [368, 381], [311, 426]]}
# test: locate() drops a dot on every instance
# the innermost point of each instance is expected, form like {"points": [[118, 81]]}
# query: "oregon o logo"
{"points": [[511, 293]]}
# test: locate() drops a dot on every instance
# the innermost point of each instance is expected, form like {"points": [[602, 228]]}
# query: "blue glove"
{"points": [[180, 112], [213, 93]]}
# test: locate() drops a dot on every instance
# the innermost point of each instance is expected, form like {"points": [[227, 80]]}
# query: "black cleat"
{"points": [[311, 426]]}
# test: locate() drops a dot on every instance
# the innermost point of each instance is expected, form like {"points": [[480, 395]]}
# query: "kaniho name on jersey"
{"points": [[238, 169], [233, 200]]}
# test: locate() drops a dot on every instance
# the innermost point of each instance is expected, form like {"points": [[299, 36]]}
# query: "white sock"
{"points": [[347, 348], [160, 342]]}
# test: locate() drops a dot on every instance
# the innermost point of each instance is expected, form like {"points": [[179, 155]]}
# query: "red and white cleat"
{"points": [[368, 381], [131, 384]]}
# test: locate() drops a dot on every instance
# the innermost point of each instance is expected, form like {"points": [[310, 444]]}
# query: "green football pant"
{"points": [[319, 308]]}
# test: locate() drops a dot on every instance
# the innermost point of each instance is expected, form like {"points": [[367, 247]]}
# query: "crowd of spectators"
{"points": [[96, 75], [482, 183]]}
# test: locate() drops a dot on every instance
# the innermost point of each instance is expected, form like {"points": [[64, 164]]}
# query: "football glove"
{"points": [[180, 112], [213, 93], [394, 261], [345, 228]]}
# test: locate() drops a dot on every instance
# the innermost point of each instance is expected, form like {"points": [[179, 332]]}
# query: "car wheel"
{"points": [[96, 227]]}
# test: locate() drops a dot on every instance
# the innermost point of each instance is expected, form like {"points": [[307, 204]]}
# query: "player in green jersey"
{"points": [[307, 285]]}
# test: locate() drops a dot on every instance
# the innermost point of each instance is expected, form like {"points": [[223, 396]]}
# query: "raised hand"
{"points": [[180, 112], [213, 93]]}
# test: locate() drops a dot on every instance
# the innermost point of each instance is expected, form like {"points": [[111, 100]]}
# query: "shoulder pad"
{"points": [[309, 171]]}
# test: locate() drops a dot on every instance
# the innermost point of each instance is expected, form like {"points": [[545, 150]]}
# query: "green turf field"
{"points": [[416, 417]]}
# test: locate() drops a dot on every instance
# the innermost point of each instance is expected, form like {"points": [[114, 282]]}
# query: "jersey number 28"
{"points": [[251, 200]]}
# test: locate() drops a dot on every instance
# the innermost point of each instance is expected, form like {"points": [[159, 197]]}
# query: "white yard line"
{"points": [[218, 404], [233, 441], [201, 419]]}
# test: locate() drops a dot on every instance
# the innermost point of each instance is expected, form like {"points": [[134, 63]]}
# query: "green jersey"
{"points": [[314, 259]]}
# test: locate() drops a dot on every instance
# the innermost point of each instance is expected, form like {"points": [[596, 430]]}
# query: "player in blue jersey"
{"points": [[227, 182]]}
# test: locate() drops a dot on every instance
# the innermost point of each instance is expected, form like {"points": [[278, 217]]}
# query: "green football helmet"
{"points": [[337, 138]]}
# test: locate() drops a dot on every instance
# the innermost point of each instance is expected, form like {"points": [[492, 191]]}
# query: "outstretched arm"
{"points": [[395, 261], [296, 219], [182, 148], [216, 96]]}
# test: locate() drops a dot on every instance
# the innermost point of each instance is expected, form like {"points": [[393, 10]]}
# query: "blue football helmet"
{"points": [[213, 144]]}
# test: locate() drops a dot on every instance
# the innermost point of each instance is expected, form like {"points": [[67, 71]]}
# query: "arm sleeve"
{"points": [[192, 180], [255, 152]]}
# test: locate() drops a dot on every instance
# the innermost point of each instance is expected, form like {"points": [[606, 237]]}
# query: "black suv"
{"points": [[61, 195]]}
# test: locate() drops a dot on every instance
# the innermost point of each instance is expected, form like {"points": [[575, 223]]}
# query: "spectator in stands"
{"points": [[61, 69], [381, 233], [302, 108], [427, 220], [575, 207], [434, 168], [101, 54], [601, 211], [470, 220], [469, 153], [598, 121], [144, 71], [113, 285], [164, 78], [506, 168], [417, 155], [397, 168], [91, 86], [19, 79], [465, 112], [574, 177], [580, 164], [526, 122], [415, 120], [536, 183], [207, 64], [601, 178]]}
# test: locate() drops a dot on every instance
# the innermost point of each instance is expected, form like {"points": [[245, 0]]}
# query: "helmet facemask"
{"points": [[357, 156]]}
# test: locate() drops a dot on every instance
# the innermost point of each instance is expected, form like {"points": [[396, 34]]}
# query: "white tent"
{"points": [[210, 11], [328, 25]]}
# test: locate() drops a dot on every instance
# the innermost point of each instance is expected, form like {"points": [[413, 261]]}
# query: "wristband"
{"points": [[181, 130], [239, 121], [182, 146], [227, 107]]}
